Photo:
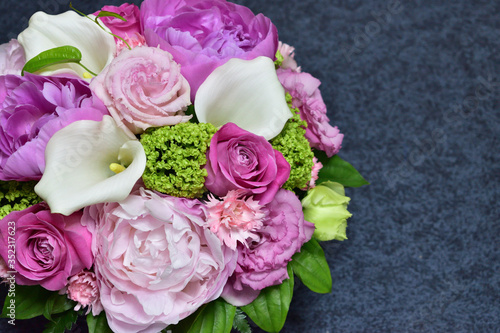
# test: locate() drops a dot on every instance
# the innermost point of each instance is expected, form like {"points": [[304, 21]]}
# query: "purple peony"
{"points": [[240, 160], [264, 262], [307, 98], [204, 34], [32, 109]]}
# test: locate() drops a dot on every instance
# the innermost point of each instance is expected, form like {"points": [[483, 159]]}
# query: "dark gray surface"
{"points": [[419, 103]]}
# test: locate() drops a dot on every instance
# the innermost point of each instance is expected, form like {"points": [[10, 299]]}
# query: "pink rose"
{"points": [[155, 262], [128, 28], [307, 98], [49, 247], [264, 262], [143, 88], [238, 159]]}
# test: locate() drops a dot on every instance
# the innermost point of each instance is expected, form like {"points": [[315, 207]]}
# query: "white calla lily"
{"points": [[247, 93], [49, 31], [79, 160]]}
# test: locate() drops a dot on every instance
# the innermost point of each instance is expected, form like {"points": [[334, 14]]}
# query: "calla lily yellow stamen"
{"points": [[87, 75], [116, 168]]}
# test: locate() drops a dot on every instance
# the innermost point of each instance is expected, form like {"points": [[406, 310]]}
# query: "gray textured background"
{"points": [[416, 92]]}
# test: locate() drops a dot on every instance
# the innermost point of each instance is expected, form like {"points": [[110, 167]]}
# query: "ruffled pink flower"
{"points": [[314, 174], [288, 53], [12, 58], [133, 41], [234, 219], [4, 269], [307, 98], [82, 288], [264, 263], [129, 27]]}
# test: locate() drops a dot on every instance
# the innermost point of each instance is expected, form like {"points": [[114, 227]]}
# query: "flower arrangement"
{"points": [[168, 167]]}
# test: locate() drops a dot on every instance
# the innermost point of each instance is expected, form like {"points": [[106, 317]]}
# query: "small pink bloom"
{"points": [[82, 288], [314, 174], [3, 269], [234, 219], [288, 53], [134, 41], [12, 58]]}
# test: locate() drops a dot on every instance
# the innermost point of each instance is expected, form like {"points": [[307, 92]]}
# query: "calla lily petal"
{"points": [[49, 31], [247, 93], [77, 172]]}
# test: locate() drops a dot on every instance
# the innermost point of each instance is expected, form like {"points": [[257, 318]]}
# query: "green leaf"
{"points": [[57, 304], [337, 170], [104, 13], [240, 322], [58, 55], [61, 322], [311, 267], [98, 324], [214, 317], [270, 308], [29, 301]]}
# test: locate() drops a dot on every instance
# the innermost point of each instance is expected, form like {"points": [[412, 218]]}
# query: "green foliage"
{"points": [[240, 322], [16, 196], [29, 301], [337, 170], [214, 317], [295, 148], [61, 322], [311, 267], [56, 304], [176, 157], [270, 308], [98, 324]]}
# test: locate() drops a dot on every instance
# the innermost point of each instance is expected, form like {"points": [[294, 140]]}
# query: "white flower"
{"points": [[79, 160], [49, 31], [247, 93]]}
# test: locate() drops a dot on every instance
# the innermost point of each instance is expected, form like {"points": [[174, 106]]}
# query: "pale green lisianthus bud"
{"points": [[326, 207]]}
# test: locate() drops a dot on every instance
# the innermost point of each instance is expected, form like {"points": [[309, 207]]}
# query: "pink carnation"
{"points": [[307, 98], [314, 174], [233, 219], [133, 41], [82, 288], [288, 53]]}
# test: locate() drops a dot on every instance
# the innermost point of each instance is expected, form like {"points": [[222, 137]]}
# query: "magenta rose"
{"points": [[32, 109], [127, 28], [307, 98], [264, 262], [142, 88], [238, 159], [49, 248], [204, 34]]}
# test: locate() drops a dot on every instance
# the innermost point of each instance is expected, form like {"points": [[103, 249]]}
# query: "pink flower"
{"points": [[307, 98], [130, 13], [143, 88], [233, 219], [264, 263], [238, 159], [132, 41], [4, 269], [155, 262], [12, 58], [288, 53], [49, 247], [82, 288], [314, 174]]}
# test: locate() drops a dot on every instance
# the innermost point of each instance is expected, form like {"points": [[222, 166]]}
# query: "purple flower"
{"points": [[264, 262], [307, 98], [32, 109], [238, 159], [127, 28], [12, 58], [204, 34]]}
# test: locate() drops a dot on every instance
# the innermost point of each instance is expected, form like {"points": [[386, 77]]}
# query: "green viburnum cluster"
{"points": [[16, 196], [279, 59], [294, 146], [175, 158]]}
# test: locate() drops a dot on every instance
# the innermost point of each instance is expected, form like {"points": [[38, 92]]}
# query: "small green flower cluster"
{"points": [[175, 158], [16, 196], [294, 146], [279, 59]]}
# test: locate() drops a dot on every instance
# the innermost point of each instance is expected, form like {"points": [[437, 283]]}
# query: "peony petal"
{"points": [[49, 31], [77, 170], [247, 93]]}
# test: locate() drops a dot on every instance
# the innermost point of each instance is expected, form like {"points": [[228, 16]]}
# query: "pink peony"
{"points": [[307, 98], [238, 159], [82, 288], [12, 58], [49, 247], [128, 28], [264, 263], [204, 34], [288, 53], [155, 262], [234, 219], [143, 88]]}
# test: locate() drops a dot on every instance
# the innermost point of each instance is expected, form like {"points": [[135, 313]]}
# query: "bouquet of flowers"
{"points": [[167, 167]]}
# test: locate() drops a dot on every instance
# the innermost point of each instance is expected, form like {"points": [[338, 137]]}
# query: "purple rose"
{"points": [[204, 34], [128, 28], [307, 98], [238, 159], [32, 109], [49, 248], [264, 262]]}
